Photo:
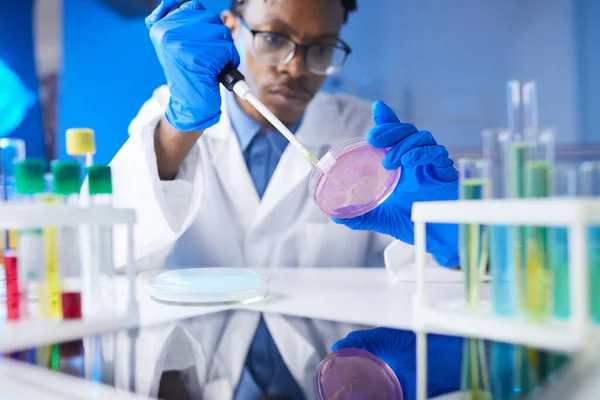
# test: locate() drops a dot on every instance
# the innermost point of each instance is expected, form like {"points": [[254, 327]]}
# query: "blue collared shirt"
{"points": [[264, 371]]}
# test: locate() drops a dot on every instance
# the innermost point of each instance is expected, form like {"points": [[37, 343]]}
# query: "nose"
{"points": [[296, 67]]}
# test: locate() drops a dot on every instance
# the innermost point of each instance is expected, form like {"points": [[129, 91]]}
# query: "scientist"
{"points": [[213, 184]]}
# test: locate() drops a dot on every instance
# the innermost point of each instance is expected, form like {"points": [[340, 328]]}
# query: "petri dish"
{"points": [[355, 374], [209, 286], [350, 180]]}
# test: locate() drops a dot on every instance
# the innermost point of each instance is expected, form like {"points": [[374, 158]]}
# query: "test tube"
{"points": [[100, 189], [29, 185], [81, 144], [495, 142], [565, 186], [102, 293], [11, 150], [65, 188], [474, 185], [590, 187], [538, 184]]}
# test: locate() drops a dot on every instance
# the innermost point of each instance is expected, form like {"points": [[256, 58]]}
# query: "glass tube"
{"points": [[495, 142], [11, 150], [474, 185], [538, 184], [565, 186], [503, 366], [590, 187]]}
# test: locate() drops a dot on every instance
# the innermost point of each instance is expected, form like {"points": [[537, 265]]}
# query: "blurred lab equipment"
{"points": [[15, 100]]}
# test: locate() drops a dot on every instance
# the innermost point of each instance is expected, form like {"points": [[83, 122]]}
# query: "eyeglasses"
{"points": [[276, 49]]}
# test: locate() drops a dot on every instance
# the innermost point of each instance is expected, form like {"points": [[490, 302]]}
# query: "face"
{"points": [[286, 89]]}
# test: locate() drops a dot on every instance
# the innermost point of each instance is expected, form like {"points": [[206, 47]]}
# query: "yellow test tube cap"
{"points": [[80, 141]]}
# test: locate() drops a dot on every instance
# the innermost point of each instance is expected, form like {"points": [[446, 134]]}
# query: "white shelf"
{"points": [[20, 335], [19, 380], [570, 335], [542, 212], [456, 319], [14, 216]]}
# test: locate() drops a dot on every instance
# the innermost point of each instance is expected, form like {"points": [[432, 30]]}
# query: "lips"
{"points": [[289, 94]]}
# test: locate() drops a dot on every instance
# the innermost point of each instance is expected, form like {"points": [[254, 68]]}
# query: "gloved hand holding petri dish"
{"points": [[372, 183]]}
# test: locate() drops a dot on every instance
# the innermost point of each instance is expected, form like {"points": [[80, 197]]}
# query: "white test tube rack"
{"points": [[19, 335], [454, 318]]}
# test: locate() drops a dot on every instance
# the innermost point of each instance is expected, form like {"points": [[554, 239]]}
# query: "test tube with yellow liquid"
{"points": [[538, 184], [473, 242]]}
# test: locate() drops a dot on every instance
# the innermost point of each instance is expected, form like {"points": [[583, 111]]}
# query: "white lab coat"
{"points": [[211, 215]]}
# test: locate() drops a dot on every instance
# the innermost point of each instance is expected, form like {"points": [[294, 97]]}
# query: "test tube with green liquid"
{"points": [[565, 186], [538, 184], [474, 185], [590, 187], [517, 154]]}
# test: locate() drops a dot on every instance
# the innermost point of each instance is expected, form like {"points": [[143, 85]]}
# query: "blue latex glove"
{"points": [[397, 348], [193, 46], [15, 100], [427, 174]]}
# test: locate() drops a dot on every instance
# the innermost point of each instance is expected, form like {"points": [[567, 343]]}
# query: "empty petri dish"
{"points": [[350, 180], [209, 286], [355, 374]]}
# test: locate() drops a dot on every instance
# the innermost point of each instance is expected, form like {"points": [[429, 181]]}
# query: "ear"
{"points": [[230, 20]]}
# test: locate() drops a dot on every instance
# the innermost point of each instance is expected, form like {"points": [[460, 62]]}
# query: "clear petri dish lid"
{"points": [[351, 181], [355, 374], [209, 286]]}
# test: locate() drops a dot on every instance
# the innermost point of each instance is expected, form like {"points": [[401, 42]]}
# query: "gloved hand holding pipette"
{"points": [[397, 348], [427, 174], [193, 46]]}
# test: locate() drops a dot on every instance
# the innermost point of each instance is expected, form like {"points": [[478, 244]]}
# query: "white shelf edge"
{"points": [[14, 216], [543, 212], [23, 335], [552, 335]]}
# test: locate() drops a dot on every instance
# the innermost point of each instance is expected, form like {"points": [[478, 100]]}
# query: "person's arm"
{"points": [[172, 146]]}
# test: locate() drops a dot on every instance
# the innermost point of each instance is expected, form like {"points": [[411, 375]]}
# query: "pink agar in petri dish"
{"points": [[351, 180], [355, 374]]}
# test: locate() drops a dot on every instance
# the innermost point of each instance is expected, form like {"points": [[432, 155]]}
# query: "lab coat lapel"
{"points": [[232, 171]]}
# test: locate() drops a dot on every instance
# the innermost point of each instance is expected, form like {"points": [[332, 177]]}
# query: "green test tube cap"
{"points": [[29, 176], [65, 177], [99, 179]]}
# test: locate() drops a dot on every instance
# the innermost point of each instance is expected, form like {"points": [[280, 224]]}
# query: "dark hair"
{"points": [[349, 6]]}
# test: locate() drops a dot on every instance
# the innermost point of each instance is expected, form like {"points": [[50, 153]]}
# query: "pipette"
{"points": [[233, 80]]}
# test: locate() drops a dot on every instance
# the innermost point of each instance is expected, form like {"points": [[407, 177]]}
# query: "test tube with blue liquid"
{"points": [[502, 267], [474, 185], [516, 153], [590, 187], [503, 366], [565, 186]]}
